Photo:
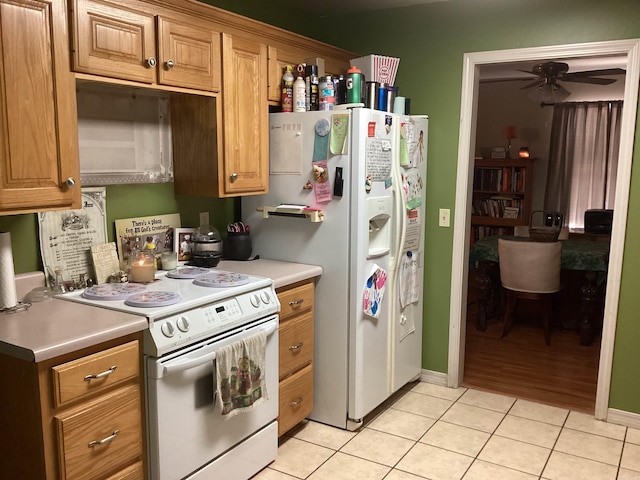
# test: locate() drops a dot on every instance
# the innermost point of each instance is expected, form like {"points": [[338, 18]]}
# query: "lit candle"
{"points": [[142, 270]]}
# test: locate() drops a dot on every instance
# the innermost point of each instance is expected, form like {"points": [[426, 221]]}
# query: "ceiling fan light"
{"points": [[552, 93]]}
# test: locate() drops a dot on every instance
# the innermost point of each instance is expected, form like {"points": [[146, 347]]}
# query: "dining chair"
{"points": [[529, 270]]}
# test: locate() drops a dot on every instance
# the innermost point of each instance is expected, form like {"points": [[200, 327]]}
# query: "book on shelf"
{"points": [[499, 179], [496, 206]]}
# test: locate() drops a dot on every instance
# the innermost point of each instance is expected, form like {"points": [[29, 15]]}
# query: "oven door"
{"points": [[186, 427]]}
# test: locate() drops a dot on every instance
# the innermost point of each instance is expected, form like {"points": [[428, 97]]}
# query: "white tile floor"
{"points": [[437, 433]]}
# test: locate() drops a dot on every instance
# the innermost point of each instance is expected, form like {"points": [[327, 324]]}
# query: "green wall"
{"points": [[123, 201], [431, 41]]}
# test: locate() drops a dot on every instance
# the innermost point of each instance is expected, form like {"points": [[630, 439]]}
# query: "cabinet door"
{"points": [[246, 117], [278, 59], [114, 41], [188, 57], [38, 120]]}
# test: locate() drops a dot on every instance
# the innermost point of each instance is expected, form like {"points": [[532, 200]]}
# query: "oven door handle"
{"points": [[207, 357]]}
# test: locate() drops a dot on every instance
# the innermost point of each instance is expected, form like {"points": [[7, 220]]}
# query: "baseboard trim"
{"points": [[437, 378], [622, 417]]}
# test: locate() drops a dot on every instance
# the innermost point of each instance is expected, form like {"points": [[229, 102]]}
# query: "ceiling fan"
{"points": [[550, 73]]}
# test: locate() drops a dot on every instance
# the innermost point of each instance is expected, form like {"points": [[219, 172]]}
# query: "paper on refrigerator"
{"points": [[408, 284], [374, 291]]}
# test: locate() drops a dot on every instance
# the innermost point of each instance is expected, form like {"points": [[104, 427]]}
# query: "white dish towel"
{"points": [[240, 374]]}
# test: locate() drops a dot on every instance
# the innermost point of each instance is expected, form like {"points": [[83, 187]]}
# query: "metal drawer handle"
{"points": [[104, 440], [296, 347], [101, 375], [297, 302], [297, 402]]}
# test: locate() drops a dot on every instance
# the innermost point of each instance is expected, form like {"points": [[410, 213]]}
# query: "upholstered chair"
{"points": [[529, 270]]}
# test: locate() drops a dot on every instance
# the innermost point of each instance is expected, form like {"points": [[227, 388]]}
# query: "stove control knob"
{"points": [[266, 298], [255, 300], [183, 324], [167, 329]]}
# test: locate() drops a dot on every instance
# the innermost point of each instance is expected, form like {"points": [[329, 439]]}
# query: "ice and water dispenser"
{"points": [[379, 210]]}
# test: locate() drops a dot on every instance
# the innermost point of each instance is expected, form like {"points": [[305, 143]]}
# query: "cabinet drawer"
{"points": [[296, 399], [296, 343], [94, 373], [133, 472], [116, 421], [296, 300]]}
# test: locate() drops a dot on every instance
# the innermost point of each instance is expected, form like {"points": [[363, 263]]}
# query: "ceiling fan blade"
{"points": [[595, 73], [592, 80], [526, 71]]}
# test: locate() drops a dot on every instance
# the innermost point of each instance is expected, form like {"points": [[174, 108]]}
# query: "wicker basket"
{"points": [[545, 233]]}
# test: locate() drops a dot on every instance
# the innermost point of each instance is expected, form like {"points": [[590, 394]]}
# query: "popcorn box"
{"points": [[377, 68]]}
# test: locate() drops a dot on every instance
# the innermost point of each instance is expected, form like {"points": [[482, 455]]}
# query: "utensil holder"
{"points": [[237, 246]]}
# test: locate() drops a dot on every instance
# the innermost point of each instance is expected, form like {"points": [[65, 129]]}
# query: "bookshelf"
{"points": [[502, 192]]}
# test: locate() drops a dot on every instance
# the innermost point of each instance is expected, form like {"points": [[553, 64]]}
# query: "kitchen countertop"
{"points": [[282, 273], [56, 327]]}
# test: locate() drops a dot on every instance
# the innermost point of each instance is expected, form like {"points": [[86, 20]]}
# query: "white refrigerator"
{"points": [[347, 192]]}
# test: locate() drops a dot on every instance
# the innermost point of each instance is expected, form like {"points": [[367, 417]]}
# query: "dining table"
{"points": [[589, 257]]}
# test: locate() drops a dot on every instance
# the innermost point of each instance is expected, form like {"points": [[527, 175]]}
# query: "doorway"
{"points": [[466, 146]]}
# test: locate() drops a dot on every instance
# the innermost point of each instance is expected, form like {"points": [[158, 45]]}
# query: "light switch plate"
{"points": [[444, 217]]}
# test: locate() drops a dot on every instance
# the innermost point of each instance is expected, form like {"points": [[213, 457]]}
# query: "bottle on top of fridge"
{"points": [[299, 91], [353, 84], [327, 93], [287, 89], [311, 79]]}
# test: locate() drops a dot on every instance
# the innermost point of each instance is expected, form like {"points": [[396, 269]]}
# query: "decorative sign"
{"points": [[154, 233], [67, 236]]}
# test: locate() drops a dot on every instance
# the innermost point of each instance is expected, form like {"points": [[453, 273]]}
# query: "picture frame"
{"points": [[183, 243]]}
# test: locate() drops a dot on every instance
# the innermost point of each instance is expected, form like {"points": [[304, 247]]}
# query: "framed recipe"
{"points": [[183, 243]]}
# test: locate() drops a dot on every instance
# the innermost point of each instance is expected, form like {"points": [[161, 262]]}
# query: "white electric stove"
{"points": [[190, 319], [205, 302]]}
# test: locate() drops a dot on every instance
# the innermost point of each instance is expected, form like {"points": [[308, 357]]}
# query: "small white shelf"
{"points": [[314, 215]]}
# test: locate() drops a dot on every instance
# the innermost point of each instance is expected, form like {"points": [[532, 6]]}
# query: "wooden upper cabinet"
{"points": [[188, 57], [127, 42], [114, 41], [245, 117], [39, 163]]}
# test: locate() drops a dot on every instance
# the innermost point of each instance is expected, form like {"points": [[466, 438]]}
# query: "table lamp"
{"points": [[509, 134]]}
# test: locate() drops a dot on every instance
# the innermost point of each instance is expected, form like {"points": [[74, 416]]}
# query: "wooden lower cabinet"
{"points": [[296, 354], [75, 417]]}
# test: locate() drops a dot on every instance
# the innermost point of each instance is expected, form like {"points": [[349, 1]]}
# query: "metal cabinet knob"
{"points": [[169, 64], [234, 177], [151, 62], [70, 182]]}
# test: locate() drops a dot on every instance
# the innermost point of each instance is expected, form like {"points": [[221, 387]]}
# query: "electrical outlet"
{"points": [[204, 218], [444, 220]]}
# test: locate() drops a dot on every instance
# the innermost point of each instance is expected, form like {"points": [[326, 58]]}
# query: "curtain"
{"points": [[583, 158]]}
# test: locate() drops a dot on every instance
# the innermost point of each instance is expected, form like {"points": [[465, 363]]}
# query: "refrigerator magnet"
{"points": [[321, 140], [368, 183], [322, 186]]}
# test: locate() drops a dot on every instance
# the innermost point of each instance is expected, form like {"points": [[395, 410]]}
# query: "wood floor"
{"points": [[563, 374]]}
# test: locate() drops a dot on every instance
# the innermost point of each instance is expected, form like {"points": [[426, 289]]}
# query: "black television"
{"points": [[598, 221]]}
